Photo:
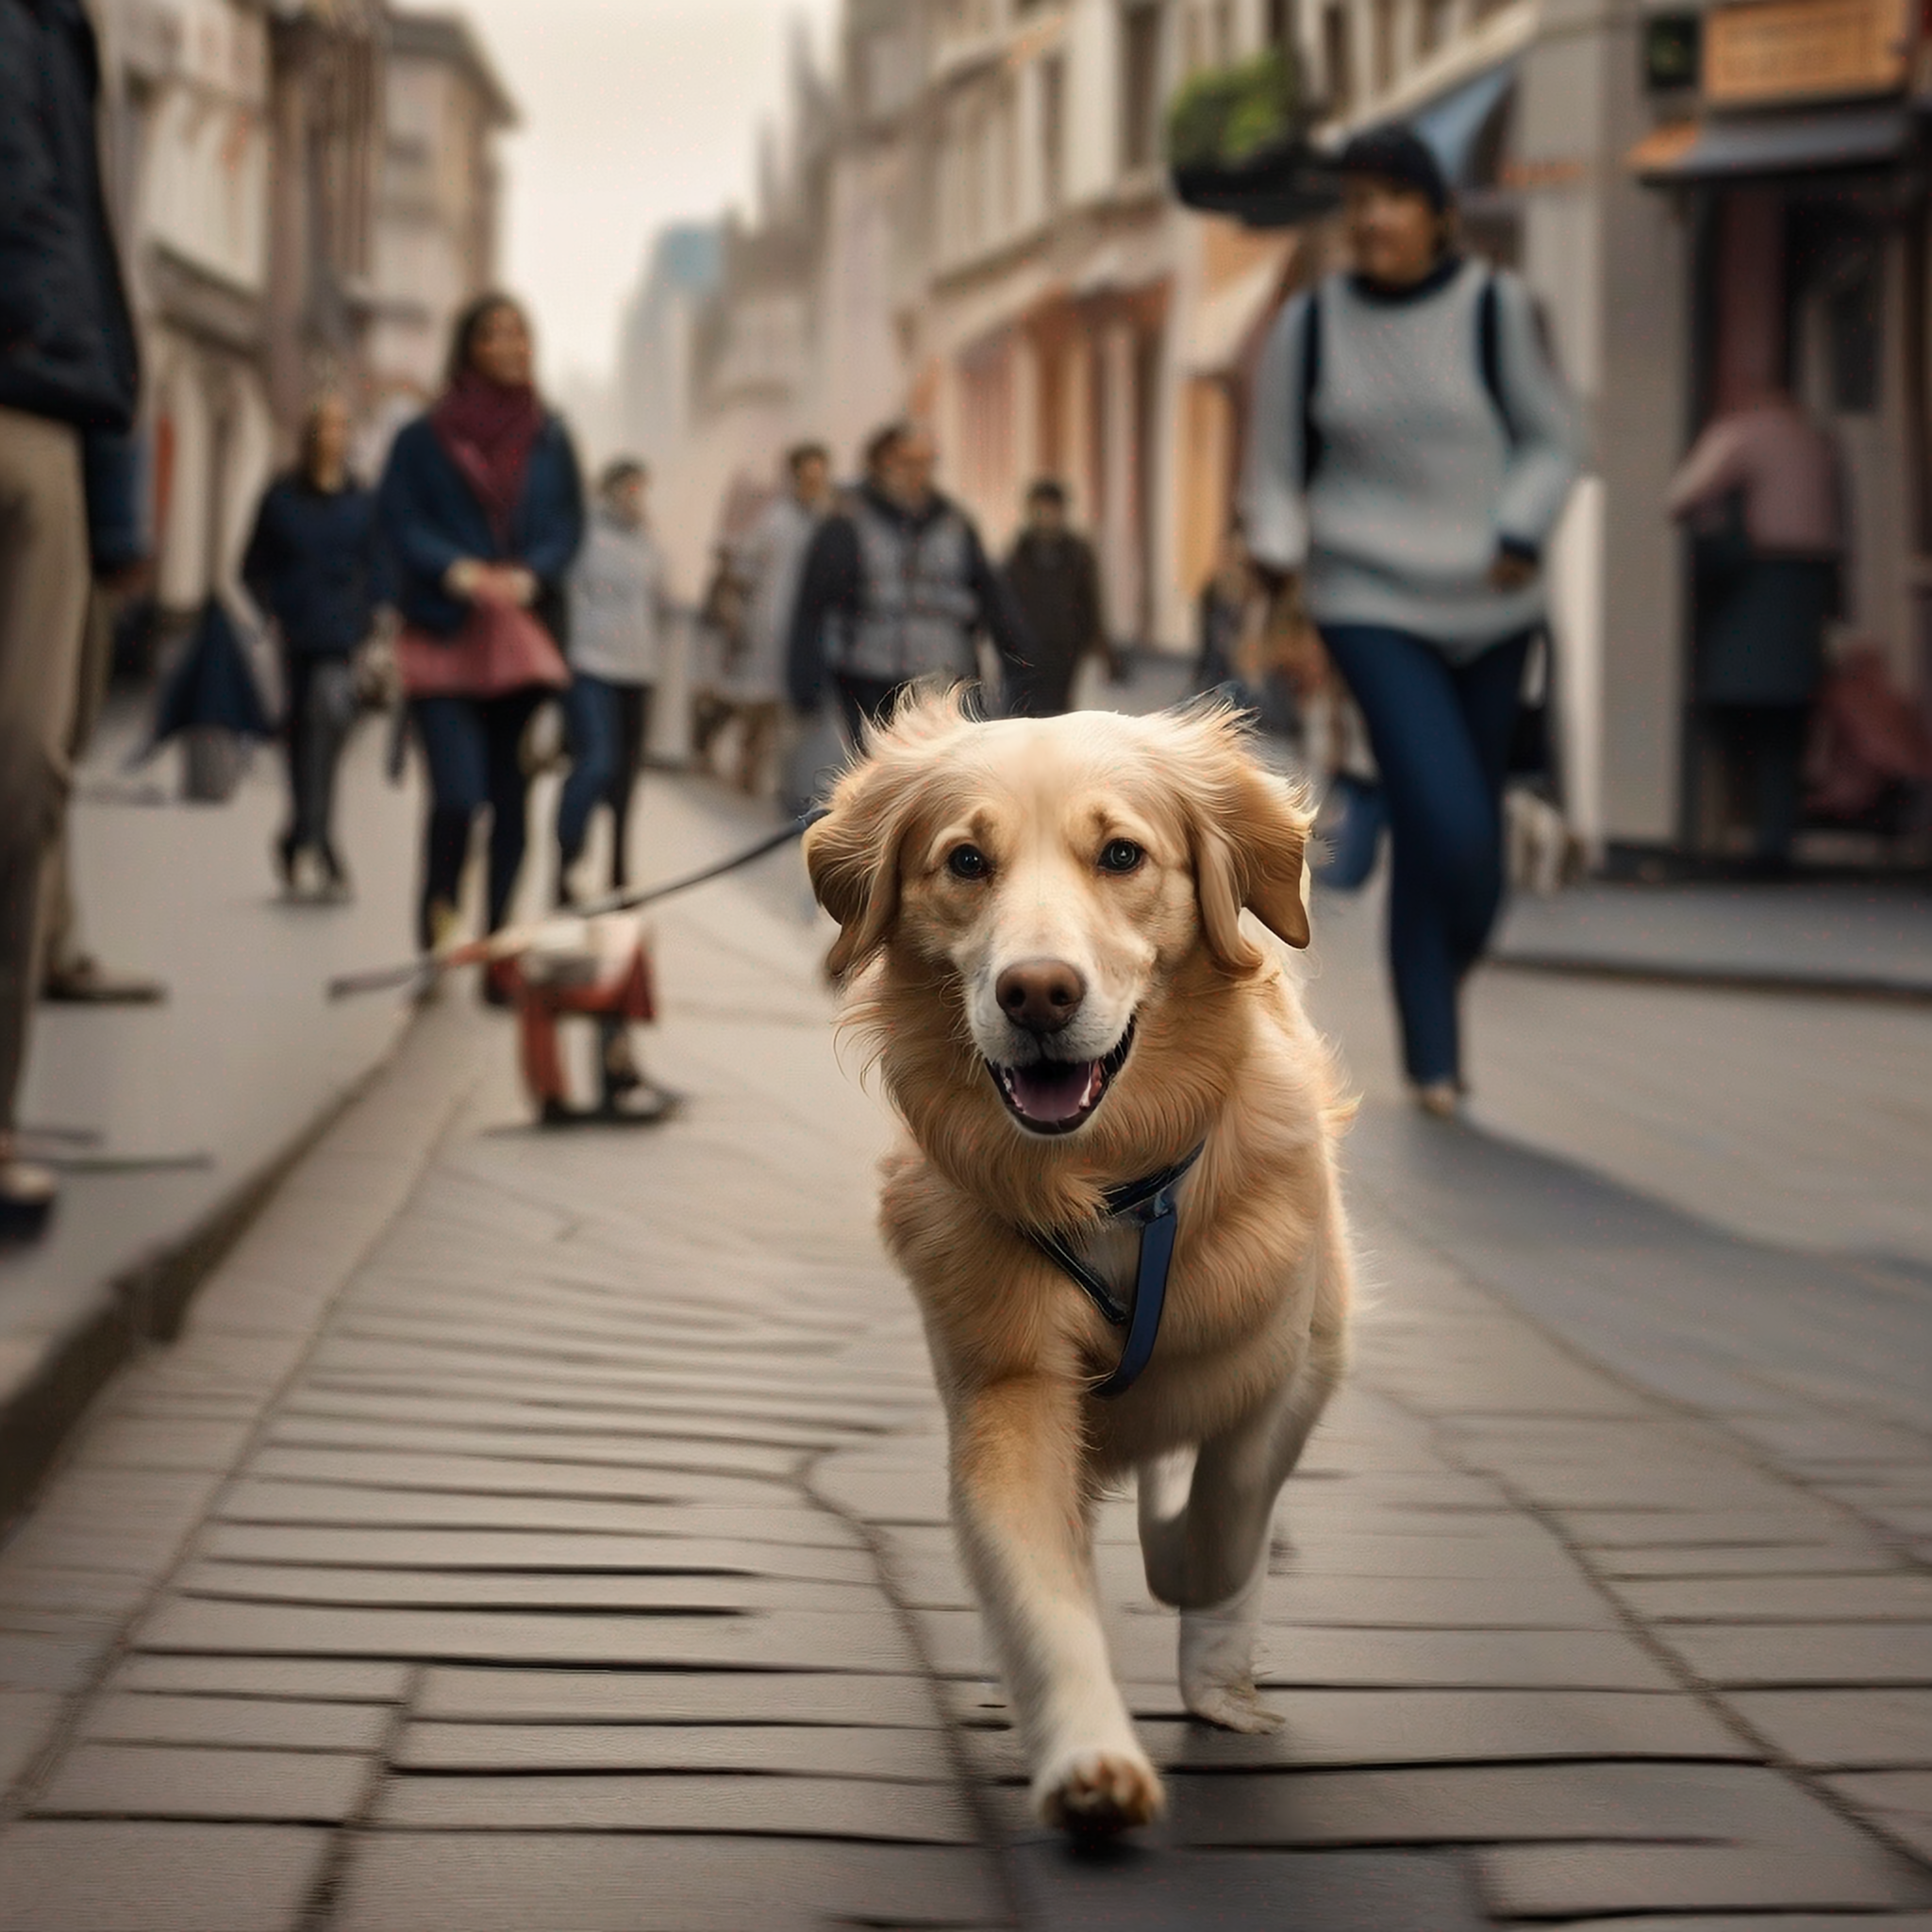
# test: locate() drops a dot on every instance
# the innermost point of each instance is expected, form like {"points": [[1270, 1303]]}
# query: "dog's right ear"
{"points": [[851, 856]]}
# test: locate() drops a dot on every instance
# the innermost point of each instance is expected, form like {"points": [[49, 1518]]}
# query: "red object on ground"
{"points": [[624, 991]]}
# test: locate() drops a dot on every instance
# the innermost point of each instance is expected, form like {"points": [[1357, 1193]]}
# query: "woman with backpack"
{"points": [[1412, 451]]}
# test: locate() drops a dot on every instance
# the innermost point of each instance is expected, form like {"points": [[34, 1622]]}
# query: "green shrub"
{"points": [[1227, 114]]}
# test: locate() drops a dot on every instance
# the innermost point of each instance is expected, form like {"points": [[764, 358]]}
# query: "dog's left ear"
{"points": [[1250, 835], [851, 856]]}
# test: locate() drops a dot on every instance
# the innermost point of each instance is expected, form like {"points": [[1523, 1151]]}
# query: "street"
{"points": [[550, 1528]]}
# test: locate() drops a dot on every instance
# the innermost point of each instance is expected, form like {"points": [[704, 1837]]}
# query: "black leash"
{"points": [[1149, 1201], [626, 900]]}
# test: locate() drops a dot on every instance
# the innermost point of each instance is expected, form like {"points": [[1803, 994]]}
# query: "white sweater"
{"points": [[616, 603], [1418, 481]]}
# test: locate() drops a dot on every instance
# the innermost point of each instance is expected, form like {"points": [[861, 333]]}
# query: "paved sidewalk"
{"points": [[161, 1117], [546, 1530]]}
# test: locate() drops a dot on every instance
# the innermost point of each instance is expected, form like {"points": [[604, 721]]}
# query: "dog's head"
{"points": [[1068, 877]]}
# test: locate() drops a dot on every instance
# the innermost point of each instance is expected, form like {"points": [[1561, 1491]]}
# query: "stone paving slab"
{"points": [[800, 1641], [130, 1877], [1150, 1891], [286, 1723], [1554, 1881], [301, 1678], [520, 1882], [752, 1750], [675, 1698], [651, 1593], [769, 1805], [1754, 1654], [1842, 1729], [534, 1553], [169, 1781]]}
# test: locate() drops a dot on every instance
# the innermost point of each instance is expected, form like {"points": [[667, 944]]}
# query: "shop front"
{"points": [[1801, 184]]}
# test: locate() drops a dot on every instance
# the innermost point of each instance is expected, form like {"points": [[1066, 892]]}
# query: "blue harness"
{"points": [[1150, 1202]]}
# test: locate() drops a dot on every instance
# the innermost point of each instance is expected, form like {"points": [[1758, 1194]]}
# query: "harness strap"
{"points": [[1149, 1201]]}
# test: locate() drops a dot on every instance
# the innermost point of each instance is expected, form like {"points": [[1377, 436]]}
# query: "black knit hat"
{"points": [[1394, 154]]}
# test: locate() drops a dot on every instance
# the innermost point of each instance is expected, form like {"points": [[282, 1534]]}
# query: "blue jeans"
{"points": [[472, 747], [1440, 733], [607, 724]]}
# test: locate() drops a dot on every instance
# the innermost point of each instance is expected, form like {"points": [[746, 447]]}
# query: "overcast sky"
{"points": [[634, 113]]}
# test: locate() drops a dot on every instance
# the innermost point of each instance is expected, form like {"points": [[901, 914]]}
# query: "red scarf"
{"points": [[488, 431]]}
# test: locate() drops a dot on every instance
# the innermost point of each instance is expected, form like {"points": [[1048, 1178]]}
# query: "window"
{"points": [[1338, 62], [1384, 23], [1854, 331], [1434, 28], [1223, 31], [1280, 23], [1140, 87], [1053, 131]]}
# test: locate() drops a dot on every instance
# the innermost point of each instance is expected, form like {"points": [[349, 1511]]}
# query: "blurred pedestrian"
{"points": [[1054, 584], [1761, 490], [768, 564], [482, 509], [618, 610], [315, 565], [69, 371], [1412, 447], [896, 586]]}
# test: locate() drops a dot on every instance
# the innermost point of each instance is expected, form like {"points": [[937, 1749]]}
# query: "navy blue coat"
{"points": [[430, 519], [315, 565], [67, 346]]}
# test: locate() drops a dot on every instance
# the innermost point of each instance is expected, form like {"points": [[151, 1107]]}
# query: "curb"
{"points": [[1722, 978], [47, 1383]]}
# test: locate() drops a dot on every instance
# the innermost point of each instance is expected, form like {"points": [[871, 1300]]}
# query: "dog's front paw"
{"points": [[1233, 1707], [1096, 1793]]}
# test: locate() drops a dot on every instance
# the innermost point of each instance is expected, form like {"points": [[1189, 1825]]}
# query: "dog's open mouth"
{"points": [[1055, 1096]]}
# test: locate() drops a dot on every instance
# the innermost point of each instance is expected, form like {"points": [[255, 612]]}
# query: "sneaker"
{"points": [[336, 887], [1443, 1099], [283, 852], [81, 982]]}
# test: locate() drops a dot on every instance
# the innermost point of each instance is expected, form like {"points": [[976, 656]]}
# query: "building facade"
{"points": [[438, 202], [1700, 197]]}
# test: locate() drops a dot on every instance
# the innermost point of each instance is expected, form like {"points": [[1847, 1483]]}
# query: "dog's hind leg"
{"points": [[1024, 1522], [1161, 1492]]}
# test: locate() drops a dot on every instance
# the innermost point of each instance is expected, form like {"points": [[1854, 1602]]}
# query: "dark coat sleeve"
{"points": [[263, 561], [998, 613], [555, 532], [828, 583]]}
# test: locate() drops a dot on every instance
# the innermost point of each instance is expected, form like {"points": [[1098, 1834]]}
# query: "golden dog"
{"points": [[1041, 932]]}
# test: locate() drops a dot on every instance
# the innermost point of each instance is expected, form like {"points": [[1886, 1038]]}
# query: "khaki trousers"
{"points": [[43, 593]]}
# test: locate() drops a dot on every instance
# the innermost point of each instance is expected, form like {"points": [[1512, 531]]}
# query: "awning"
{"points": [[1800, 143], [1453, 125]]}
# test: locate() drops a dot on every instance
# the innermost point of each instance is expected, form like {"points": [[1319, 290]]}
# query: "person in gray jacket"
{"points": [[1411, 450], [897, 588], [618, 611]]}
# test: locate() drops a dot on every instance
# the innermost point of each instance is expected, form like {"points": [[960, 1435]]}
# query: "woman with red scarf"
{"points": [[482, 508]]}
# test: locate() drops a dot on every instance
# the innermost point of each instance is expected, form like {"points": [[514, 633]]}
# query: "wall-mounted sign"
{"points": [[1671, 42], [1792, 50]]}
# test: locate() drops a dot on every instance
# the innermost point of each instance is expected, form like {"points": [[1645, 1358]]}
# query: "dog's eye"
{"points": [[966, 862], [1121, 854]]}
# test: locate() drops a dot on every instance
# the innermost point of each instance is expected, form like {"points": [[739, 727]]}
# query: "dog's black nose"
{"points": [[1041, 995]]}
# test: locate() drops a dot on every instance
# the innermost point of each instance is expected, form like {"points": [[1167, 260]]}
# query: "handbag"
{"points": [[501, 647]]}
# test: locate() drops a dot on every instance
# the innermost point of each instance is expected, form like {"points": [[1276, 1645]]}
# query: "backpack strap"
{"points": [[1311, 375], [1488, 355]]}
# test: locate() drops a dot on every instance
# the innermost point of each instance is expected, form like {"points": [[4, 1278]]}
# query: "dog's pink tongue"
{"points": [[1052, 1090]]}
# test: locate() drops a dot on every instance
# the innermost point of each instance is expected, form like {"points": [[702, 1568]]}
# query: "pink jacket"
{"points": [[1786, 469]]}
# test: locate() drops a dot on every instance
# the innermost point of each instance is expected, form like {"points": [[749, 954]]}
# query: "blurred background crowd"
{"points": [[1490, 402]]}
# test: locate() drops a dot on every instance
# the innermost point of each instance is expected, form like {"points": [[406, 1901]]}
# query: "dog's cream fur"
{"points": [[1256, 1326]]}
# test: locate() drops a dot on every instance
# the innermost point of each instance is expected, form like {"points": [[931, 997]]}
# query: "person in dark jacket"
{"points": [[1055, 583], [482, 509], [895, 588], [68, 374], [315, 566]]}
